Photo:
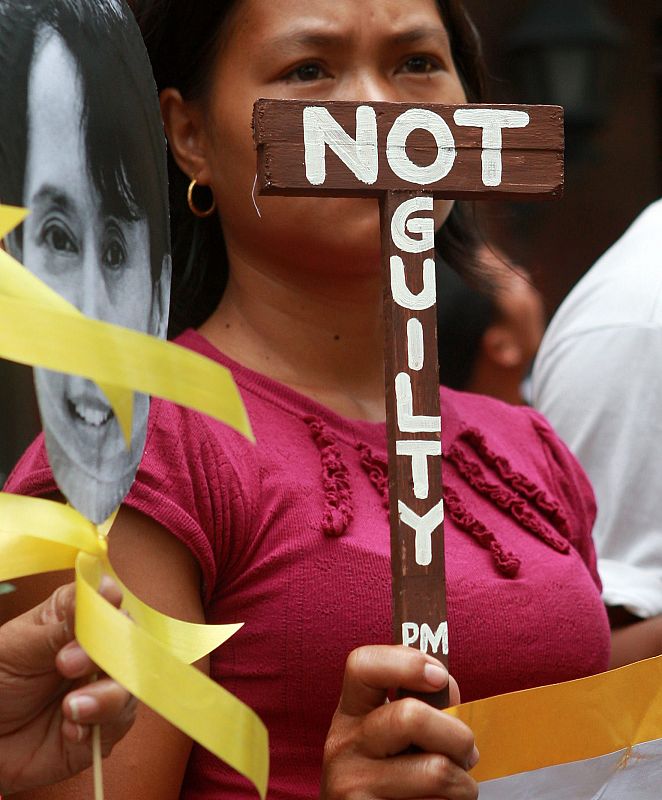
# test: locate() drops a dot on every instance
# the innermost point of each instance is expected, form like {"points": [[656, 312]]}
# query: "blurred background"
{"points": [[602, 61]]}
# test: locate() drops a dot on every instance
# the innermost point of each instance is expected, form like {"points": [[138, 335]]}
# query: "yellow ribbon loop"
{"points": [[40, 328], [44, 536], [151, 653], [178, 692]]}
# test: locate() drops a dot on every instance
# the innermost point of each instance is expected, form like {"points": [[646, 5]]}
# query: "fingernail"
{"points": [[82, 707], [73, 658], [106, 584], [81, 733], [475, 756], [435, 675]]}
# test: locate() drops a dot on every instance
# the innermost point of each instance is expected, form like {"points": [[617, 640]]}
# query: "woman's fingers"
{"points": [[422, 775], [102, 703], [71, 661], [393, 728], [372, 671]]}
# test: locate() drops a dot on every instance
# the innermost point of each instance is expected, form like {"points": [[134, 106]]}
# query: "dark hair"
{"points": [[121, 117], [464, 313], [183, 38]]}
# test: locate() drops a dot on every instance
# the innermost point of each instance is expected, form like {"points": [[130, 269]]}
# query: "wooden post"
{"points": [[406, 156]]}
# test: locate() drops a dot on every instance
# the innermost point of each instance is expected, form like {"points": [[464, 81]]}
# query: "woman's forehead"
{"points": [[256, 17]]}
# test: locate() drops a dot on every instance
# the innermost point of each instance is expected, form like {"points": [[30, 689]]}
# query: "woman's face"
{"points": [[98, 262], [372, 50]]}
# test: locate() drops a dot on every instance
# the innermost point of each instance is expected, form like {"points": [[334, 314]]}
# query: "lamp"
{"points": [[564, 54]]}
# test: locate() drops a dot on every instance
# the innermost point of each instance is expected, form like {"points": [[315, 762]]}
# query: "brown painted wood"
{"points": [[532, 166], [533, 161], [419, 592]]}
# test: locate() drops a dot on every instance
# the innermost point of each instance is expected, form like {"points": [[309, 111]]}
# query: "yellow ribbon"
{"points": [[149, 653], [40, 328]]}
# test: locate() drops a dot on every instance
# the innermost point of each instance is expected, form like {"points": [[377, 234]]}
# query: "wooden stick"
{"points": [[413, 421], [404, 155]]}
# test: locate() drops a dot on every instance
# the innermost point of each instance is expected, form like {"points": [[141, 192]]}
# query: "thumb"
{"points": [[374, 671]]}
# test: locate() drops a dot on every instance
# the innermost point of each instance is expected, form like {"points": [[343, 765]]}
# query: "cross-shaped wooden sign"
{"points": [[407, 155]]}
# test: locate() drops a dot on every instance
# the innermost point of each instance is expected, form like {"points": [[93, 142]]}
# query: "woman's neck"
{"points": [[321, 335]]}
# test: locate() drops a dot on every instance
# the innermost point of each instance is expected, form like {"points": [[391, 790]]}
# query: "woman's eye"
{"points": [[59, 239], [306, 72], [114, 256], [421, 65]]}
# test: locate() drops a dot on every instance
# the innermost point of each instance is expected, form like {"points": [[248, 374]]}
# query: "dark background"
{"points": [[611, 174], [613, 170]]}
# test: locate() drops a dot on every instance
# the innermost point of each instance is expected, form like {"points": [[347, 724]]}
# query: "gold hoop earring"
{"points": [[201, 213]]}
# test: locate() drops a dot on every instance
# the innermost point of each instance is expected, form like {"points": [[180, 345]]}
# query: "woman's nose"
{"points": [[368, 85], [93, 295]]}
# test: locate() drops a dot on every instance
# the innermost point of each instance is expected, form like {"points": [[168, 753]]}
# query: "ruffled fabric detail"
{"points": [[548, 507], [507, 563], [338, 509], [505, 499], [376, 469]]}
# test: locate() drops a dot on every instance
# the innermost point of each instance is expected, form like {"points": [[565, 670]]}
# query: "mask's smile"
{"points": [[89, 409]]}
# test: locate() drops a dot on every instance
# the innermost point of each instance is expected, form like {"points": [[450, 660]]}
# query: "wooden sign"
{"points": [[448, 151], [406, 155]]}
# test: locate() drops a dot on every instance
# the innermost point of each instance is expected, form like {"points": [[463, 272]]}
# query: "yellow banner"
{"points": [[566, 722]]}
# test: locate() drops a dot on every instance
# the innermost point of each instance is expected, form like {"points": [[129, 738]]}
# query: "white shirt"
{"points": [[598, 379]]}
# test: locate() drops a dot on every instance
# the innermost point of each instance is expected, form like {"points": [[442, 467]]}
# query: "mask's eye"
{"points": [[114, 255], [59, 238], [421, 65], [304, 73]]}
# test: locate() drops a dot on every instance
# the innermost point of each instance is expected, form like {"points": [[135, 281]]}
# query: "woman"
{"points": [[82, 148], [292, 535]]}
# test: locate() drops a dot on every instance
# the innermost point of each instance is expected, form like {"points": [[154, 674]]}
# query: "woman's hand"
{"points": [[43, 737], [366, 752]]}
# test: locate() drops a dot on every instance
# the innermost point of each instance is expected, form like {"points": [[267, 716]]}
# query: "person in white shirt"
{"points": [[598, 379]]}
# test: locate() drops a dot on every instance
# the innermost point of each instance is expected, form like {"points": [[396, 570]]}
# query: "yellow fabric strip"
{"points": [[10, 218], [19, 283], [39, 535], [130, 359], [566, 722], [187, 641], [178, 692]]}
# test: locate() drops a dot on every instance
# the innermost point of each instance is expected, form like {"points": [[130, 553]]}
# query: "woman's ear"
{"points": [[186, 132], [501, 347]]}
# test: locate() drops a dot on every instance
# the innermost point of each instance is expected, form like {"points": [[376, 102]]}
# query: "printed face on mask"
{"points": [[96, 260]]}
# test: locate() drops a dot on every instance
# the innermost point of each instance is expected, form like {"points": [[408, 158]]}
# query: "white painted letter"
{"points": [[396, 147], [424, 528], [402, 226], [419, 451], [415, 345], [360, 154], [409, 633], [492, 121], [407, 422], [438, 639], [426, 298]]}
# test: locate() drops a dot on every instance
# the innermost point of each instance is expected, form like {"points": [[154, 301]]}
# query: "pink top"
{"points": [[292, 538]]}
